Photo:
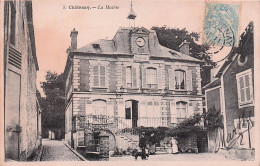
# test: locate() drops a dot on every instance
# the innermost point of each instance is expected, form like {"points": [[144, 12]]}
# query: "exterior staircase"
{"points": [[127, 140]]}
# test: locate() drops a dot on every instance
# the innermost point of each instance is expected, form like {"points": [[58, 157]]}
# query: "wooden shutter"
{"points": [[189, 80], [96, 75], [159, 78], [238, 89], [242, 91], [157, 110], [110, 109], [121, 109], [142, 114], [150, 111], [157, 114], [143, 77], [123, 77], [134, 77], [247, 88], [88, 107], [102, 76], [173, 112], [251, 86], [171, 79], [190, 111]]}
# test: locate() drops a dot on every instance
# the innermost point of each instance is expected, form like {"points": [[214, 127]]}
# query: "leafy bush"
{"points": [[191, 124], [213, 119]]}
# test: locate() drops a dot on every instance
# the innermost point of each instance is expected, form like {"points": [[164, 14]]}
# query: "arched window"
{"points": [[180, 82], [99, 107], [181, 110], [151, 78]]}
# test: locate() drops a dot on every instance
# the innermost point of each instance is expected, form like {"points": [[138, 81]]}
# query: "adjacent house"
{"points": [[22, 112], [232, 93], [127, 82]]}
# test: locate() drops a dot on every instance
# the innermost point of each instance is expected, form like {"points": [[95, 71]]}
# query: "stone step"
{"points": [[162, 148]]}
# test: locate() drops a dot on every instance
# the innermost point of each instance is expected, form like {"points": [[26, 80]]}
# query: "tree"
{"points": [[246, 42], [53, 115], [213, 119]]}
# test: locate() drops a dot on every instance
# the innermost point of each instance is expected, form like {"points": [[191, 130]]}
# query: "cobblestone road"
{"points": [[54, 150]]}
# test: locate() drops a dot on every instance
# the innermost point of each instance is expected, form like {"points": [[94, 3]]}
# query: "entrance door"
{"points": [[12, 114], [134, 113]]}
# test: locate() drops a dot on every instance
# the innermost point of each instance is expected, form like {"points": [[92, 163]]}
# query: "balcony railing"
{"points": [[97, 122]]}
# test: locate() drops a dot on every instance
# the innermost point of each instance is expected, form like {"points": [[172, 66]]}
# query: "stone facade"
{"points": [[133, 81], [22, 110]]}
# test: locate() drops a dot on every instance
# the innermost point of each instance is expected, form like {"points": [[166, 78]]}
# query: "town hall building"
{"points": [[127, 82]]}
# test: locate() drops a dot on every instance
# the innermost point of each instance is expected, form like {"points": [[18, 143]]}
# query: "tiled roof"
{"points": [[106, 47], [212, 84], [172, 54], [120, 44]]}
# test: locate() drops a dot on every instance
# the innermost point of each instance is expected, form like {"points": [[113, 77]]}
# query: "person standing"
{"points": [[152, 142], [142, 145], [174, 146]]}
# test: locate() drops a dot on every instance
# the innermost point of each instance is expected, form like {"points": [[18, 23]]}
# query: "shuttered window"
{"points": [[129, 79], [99, 76], [181, 108], [245, 88], [151, 78], [180, 82]]}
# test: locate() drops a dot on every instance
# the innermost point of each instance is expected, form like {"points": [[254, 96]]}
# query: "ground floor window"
{"points": [[181, 110], [100, 107]]}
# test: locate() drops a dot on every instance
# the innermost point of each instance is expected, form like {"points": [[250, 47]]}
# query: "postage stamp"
{"points": [[221, 24]]}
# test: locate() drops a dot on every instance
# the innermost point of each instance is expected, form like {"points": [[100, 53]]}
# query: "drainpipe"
{"points": [[248, 129]]}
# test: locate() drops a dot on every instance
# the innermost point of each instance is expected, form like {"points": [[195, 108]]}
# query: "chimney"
{"points": [[185, 47], [68, 50], [73, 36]]}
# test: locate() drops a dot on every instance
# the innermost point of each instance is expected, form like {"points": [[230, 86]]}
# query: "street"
{"points": [[55, 150], [179, 157]]}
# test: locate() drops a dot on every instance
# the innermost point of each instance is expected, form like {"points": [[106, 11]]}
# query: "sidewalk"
{"points": [[55, 150]]}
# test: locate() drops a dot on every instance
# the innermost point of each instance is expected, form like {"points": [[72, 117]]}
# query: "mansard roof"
{"points": [[120, 44]]}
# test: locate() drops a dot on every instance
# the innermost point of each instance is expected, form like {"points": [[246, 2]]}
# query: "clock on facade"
{"points": [[140, 41]]}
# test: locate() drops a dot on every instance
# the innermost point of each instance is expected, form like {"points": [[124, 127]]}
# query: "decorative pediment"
{"points": [[141, 30]]}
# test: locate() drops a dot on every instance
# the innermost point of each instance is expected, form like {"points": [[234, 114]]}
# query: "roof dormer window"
{"points": [[96, 47]]}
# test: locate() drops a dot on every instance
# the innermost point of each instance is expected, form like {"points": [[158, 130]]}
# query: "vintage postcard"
{"points": [[91, 82]]}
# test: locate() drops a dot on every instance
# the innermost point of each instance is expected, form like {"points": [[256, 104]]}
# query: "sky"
{"points": [[53, 23]]}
